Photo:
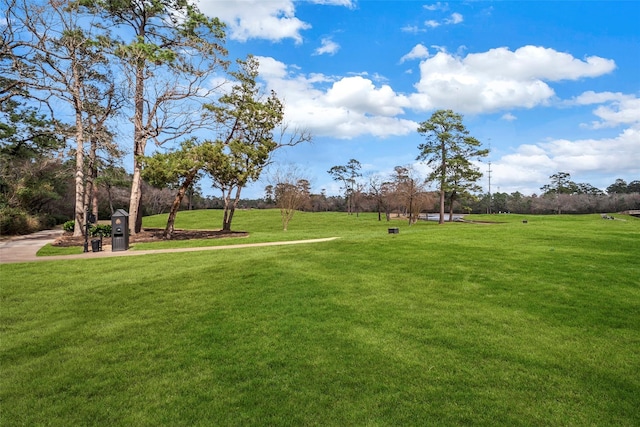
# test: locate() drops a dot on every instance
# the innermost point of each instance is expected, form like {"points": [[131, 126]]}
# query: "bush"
{"points": [[94, 230], [15, 221], [68, 226], [105, 229]]}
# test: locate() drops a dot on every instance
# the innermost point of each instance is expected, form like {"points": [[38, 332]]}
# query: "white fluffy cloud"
{"points": [[625, 112], [620, 109], [535, 163], [341, 107], [346, 107], [260, 19], [436, 6], [360, 95], [455, 18], [419, 51], [249, 19], [499, 78], [328, 47]]}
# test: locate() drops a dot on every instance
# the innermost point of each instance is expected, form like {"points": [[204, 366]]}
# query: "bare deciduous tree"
{"points": [[291, 192]]}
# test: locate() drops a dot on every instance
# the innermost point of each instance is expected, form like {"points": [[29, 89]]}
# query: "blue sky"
{"points": [[550, 85]]}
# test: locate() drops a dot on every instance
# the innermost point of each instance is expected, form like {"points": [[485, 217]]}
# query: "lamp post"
{"points": [[89, 219]]}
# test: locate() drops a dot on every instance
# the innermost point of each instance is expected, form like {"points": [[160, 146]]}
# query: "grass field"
{"points": [[508, 323]]}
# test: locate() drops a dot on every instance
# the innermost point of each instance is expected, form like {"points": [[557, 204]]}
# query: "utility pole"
{"points": [[489, 208], [489, 173]]}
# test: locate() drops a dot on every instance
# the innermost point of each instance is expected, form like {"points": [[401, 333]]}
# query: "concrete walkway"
{"points": [[24, 248]]}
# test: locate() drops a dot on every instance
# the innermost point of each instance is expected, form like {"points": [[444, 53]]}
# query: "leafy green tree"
{"points": [[449, 149], [462, 180], [171, 52], [633, 187], [618, 187], [179, 170], [32, 174], [246, 139], [560, 184], [348, 175], [560, 189], [586, 188], [269, 195]]}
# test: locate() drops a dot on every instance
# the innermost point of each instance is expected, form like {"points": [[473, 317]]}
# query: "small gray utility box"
{"points": [[119, 231]]}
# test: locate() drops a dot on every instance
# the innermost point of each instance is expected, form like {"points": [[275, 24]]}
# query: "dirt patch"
{"points": [[153, 235]]}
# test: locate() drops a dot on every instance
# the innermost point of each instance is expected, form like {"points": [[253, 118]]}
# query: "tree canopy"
{"points": [[449, 150], [247, 122]]}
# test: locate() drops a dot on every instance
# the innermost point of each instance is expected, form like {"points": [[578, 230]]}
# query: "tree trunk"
{"points": [[230, 208], [286, 215], [91, 196], [451, 200], [168, 231], [139, 143], [80, 220], [136, 197], [228, 217], [110, 197], [443, 178], [441, 220]]}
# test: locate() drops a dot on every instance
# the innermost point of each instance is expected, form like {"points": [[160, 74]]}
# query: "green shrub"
{"points": [[94, 230], [104, 229], [17, 221]]}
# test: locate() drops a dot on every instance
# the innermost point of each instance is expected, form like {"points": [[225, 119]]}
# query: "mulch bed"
{"points": [[152, 235]]}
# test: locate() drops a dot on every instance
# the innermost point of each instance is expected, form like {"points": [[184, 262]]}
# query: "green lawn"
{"points": [[460, 324]]}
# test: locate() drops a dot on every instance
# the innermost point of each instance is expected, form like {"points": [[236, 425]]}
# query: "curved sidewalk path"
{"points": [[24, 248]]}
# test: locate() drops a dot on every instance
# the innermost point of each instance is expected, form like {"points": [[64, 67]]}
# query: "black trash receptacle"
{"points": [[119, 231], [96, 245]]}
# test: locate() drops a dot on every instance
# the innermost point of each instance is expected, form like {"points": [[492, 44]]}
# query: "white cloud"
{"points": [[328, 47], [591, 97], [455, 18], [347, 3], [436, 6], [360, 95], [260, 19], [343, 107], [257, 19], [535, 62], [412, 29], [530, 166], [419, 51], [499, 78], [431, 23], [622, 109], [607, 155], [509, 117], [624, 112]]}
